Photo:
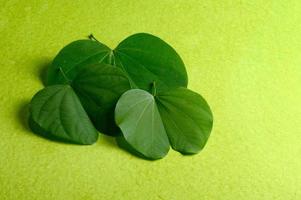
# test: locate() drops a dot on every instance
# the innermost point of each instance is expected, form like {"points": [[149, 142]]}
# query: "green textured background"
{"points": [[244, 57]]}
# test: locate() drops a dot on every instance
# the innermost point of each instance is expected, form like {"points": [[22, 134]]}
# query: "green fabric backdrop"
{"points": [[244, 57]]}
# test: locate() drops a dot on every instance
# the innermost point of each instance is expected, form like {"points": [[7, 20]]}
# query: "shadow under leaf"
{"points": [[43, 66], [123, 144], [23, 114], [109, 140], [38, 130]]}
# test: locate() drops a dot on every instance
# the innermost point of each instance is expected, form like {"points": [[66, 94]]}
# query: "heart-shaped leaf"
{"points": [[143, 57], [186, 116], [99, 87], [187, 119], [146, 54], [58, 112], [138, 117]]}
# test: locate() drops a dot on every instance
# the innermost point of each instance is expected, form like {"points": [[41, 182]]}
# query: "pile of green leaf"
{"points": [[138, 91]]}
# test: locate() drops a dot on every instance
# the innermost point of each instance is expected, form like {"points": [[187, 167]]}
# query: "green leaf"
{"points": [[123, 144], [147, 58], [73, 57], [143, 57], [57, 111], [138, 117], [37, 129], [99, 87], [187, 119], [43, 133]]}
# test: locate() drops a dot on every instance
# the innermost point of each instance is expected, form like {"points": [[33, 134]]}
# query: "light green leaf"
{"points": [[73, 57], [59, 113], [138, 117], [99, 87], [187, 119]]}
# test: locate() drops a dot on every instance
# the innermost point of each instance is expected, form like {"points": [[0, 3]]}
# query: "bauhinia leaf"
{"points": [[160, 111], [99, 87], [186, 116], [138, 117], [187, 119], [73, 57], [148, 55], [58, 112], [143, 57]]}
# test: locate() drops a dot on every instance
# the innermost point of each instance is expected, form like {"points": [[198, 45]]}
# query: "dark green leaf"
{"points": [[99, 87], [36, 128], [143, 57], [43, 133], [73, 57], [147, 58], [187, 119], [57, 111], [138, 117]]}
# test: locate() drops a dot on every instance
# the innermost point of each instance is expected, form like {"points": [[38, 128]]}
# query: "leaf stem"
{"points": [[111, 58], [91, 37], [64, 75], [154, 89]]}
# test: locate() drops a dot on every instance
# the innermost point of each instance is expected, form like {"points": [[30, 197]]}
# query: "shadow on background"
{"points": [[123, 144], [43, 66], [41, 72], [23, 114], [108, 140]]}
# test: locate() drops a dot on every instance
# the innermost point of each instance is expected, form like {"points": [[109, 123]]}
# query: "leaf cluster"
{"points": [[137, 92]]}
